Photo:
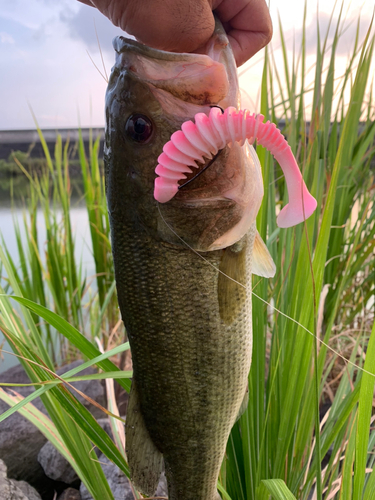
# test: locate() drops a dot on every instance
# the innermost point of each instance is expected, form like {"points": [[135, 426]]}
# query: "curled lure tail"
{"points": [[209, 134]]}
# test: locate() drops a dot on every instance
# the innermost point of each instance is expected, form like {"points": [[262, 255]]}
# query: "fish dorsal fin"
{"points": [[263, 264]]}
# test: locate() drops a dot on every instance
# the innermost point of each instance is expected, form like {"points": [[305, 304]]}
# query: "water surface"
{"points": [[10, 216]]}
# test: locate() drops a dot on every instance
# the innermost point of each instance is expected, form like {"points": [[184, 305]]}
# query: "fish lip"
{"points": [[122, 44], [180, 74]]}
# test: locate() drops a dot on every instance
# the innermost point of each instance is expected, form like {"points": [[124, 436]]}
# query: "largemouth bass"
{"points": [[188, 324]]}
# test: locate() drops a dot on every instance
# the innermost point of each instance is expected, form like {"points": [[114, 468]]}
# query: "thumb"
{"points": [[173, 25]]}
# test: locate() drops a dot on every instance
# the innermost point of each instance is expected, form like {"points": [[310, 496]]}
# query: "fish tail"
{"points": [[144, 459]]}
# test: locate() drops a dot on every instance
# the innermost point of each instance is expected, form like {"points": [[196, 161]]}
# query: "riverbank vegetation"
{"points": [[314, 340]]}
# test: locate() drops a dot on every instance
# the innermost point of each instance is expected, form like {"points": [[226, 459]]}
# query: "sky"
{"points": [[45, 66]]}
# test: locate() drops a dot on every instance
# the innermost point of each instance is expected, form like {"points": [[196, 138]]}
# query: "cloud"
{"points": [[30, 14], [17, 39], [12, 29], [48, 69], [347, 31], [6, 38], [82, 24]]}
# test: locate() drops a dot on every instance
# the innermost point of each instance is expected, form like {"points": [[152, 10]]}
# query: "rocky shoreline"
{"points": [[32, 469]]}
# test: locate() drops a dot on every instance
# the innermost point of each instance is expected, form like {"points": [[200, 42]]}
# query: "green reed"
{"points": [[50, 272], [323, 284]]}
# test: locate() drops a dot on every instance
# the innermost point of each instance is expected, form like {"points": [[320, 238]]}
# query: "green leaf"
{"points": [[364, 417], [72, 334], [278, 489], [39, 392]]}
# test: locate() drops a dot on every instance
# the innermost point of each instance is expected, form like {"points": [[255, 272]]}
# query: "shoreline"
{"points": [[22, 140]]}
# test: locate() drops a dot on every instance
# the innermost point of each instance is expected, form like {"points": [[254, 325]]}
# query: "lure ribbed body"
{"points": [[201, 140]]}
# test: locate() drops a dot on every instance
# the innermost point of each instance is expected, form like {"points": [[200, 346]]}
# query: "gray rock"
{"points": [[29, 492], [55, 466], [15, 490], [70, 494], [119, 483], [21, 441]]}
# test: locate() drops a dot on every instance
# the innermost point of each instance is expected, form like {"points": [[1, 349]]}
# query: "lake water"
{"points": [[80, 225]]}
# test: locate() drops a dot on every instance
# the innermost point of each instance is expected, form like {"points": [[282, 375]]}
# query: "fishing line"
{"points": [[101, 55], [263, 300]]}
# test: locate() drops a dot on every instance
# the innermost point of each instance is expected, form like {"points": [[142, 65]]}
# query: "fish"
{"points": [[183, 268]]}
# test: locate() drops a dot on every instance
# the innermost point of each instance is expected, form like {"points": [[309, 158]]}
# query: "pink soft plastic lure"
{"points": [[209, 134]]}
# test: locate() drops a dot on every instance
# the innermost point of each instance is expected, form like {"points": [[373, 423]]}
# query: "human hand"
{"points": [[185, 25]]}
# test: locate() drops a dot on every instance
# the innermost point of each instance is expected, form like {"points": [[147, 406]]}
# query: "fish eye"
{"points": [[139, 128]]}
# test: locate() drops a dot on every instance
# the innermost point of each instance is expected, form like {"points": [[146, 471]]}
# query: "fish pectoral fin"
{"points": [[144, 459], [232, 281], [244, 404], [263, 264]]}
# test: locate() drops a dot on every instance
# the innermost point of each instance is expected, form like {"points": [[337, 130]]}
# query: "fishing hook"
{"points": [[203, 169]]}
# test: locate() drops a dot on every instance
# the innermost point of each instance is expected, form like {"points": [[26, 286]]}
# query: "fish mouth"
{"points": [[204, 78], [186, 84]]}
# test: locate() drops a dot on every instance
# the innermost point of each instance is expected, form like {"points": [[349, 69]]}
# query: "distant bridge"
{"points": [[20, 140]]}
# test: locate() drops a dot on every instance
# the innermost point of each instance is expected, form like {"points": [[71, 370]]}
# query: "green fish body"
{"points": [[189, 326]]}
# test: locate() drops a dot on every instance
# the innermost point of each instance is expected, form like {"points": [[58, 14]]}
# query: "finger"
{"points": [[248, 24], [173, 25]]}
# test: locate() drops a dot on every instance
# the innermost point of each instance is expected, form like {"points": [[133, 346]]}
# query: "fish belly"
{"points": [[191, 352]]}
